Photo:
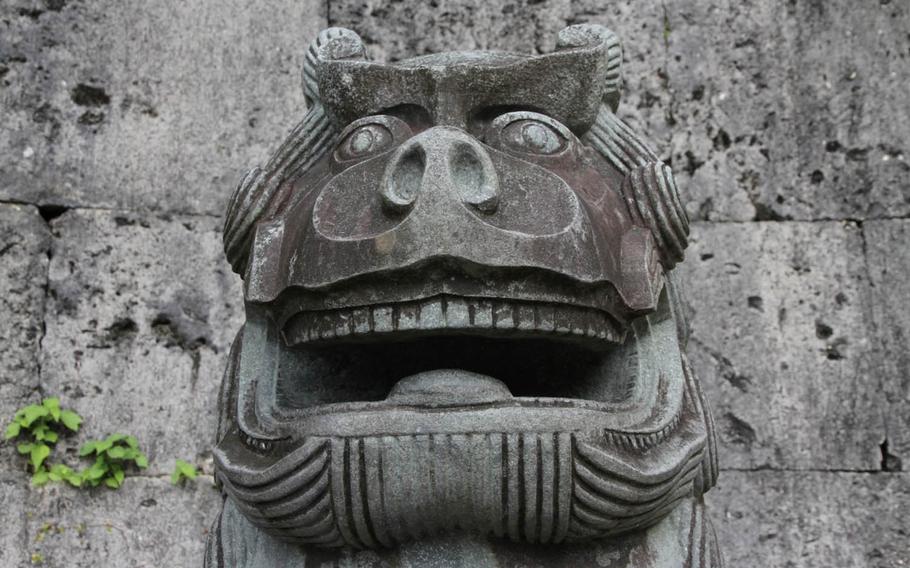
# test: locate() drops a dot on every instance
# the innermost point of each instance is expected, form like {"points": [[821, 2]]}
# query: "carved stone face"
{"points": [[459, 311]]}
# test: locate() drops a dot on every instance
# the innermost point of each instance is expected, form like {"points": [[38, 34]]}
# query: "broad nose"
{"points": [[440, 159]]}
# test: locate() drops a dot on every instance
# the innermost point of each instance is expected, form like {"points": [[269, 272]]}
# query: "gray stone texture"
{"points": [[24, 245], [772, 111], [145, 104], [781, 338], [13, 516], [141, 312], [790, 109], [813, 519], [147, 523], [889, 271]]}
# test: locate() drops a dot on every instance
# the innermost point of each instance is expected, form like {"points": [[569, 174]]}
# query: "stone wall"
{"points": [[125, 126]]}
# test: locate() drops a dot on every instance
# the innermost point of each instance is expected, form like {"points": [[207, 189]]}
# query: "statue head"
{"points": [[460, 308]]}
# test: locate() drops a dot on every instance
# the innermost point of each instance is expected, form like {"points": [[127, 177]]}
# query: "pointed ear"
{"points": [[330, 45], [583, 35]]}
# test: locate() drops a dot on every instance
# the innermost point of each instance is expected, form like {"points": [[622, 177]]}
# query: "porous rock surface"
{"points": [[127, 124]]}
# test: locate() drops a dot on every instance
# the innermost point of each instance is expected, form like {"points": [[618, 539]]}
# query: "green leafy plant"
{"points": [[183, 471], [112, 456], [41, 423]]}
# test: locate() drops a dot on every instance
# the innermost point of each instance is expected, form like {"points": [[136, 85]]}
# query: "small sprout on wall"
{"points": [[112, 456], [183, 471], [42, 423]]}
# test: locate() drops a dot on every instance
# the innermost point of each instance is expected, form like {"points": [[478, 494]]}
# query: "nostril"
{"points": [[402, 180], [474, 176]]}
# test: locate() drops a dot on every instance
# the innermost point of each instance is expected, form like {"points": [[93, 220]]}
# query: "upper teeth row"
{"points": [[448, 312]]}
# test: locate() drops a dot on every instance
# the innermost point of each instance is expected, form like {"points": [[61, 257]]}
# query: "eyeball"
{"points": [[529, 133], [370, 136]]}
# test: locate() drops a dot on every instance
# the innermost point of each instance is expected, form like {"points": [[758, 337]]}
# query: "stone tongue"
{"points": [[448, 387]]}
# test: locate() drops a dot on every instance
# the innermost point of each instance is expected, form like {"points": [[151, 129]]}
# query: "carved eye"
{"points": [[363, 141], [369, 136], [529, 133]]}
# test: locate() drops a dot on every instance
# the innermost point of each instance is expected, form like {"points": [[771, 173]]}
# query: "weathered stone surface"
{"points": [[791, 110], [394, 31], [139, 321], [813, 519], [146, 523], [24, 242], [145, 105], [13, 530], [889, 268], [781, 335]]}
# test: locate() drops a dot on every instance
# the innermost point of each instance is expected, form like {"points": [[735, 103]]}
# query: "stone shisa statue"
{"points": [[463, 343]]}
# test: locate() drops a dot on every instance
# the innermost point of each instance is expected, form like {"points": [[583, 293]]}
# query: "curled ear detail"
{"points": [[331, 44], [582, 35], [653, 202], [649, 187]]}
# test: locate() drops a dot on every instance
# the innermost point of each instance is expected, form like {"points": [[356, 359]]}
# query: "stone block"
{"points": [[147, 523], [139, 322], [812, 519], [781, 340], [143, 105], [889, 268], [24, 244], [790, 110]]}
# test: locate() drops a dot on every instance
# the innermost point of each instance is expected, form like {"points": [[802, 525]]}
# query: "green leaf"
{"points": [[114, 438], [13, 430], [119, 476], [189, 470], [38, 454], [88, 448], [132, 442], [142, 461], [183, 470], [116, 452], [31, 413], [45, 435], [39, 429], [74, 479], [111, 482], [60, 469], [52, 405], [40, 477], [96, 471], [25, 448], [71, 420], [102, 446]]}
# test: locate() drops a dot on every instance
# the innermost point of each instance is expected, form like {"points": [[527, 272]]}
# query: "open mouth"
{"points": [[404, 408]]}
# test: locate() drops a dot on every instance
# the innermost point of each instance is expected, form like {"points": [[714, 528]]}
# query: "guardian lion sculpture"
{"points": [[464, 345]]}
